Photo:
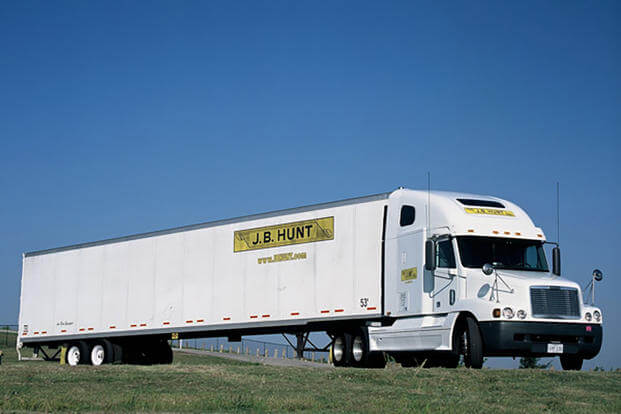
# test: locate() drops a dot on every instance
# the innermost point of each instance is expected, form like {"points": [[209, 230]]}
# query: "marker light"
{"points": [[496, 313], [588, 316], [597, 316], [507, 313], [521, 314]]}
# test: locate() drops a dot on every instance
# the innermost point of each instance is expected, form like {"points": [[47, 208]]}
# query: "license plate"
{"points": [[555, 348]]}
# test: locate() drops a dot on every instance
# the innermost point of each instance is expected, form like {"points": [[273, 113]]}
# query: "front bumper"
{"points": [[503, 338]]}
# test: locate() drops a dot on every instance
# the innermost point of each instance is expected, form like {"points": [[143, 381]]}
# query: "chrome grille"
{"points": [[554, 302]]}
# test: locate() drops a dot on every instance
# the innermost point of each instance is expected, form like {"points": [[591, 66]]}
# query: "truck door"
{"points": [[445, 284], [409, 264]]}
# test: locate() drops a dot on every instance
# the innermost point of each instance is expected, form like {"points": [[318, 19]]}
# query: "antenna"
{"points": [[429, 201], [558, 215]]}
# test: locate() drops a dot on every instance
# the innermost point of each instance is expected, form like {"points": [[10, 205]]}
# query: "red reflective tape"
{"points": [[133, 325], [295, 313], [200, 320], [143, 324], [24, 334], [254, 316], [188, 321], [371, 308], [226, 319], [63, 330], [166, 323], [91, 329], [265, 316], [339, 310], [82, 329], [325, 311], [113, 327], [36, 333]]}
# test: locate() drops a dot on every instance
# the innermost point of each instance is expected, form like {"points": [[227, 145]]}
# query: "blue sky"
{"points": [[124, 117]]}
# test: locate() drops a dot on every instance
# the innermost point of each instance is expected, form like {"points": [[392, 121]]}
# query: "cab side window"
{"points": [[446, 255], [408, 215]]}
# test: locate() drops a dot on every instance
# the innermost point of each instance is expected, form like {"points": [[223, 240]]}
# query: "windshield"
{"points": [[503, 253]]}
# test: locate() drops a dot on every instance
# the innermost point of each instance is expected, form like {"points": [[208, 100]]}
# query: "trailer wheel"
{"points": [[73, 355], [341, 350], [571, 363], [164, 353], [117, 353], [472, 344], [77, 353], [101, 353], [98, 354]]}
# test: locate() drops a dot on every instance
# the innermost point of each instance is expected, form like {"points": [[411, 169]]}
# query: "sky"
{"points": [[125, 117]]}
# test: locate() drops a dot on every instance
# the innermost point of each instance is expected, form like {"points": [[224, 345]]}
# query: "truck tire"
{"points": [[97, 354], [571, 362], [471, 344], [359, 349], [77, 353], [102, 352], [164, 353], [341, 350], [361, 355], [117, 353], [73, 355]]}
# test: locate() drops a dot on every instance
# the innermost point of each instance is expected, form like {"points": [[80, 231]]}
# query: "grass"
{"points": [[201, 383]]}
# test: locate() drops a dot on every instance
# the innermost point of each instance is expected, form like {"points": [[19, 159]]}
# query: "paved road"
{"points": [[260, 360]]}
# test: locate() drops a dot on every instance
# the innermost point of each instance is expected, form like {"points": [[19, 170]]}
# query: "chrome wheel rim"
{"points": [[338, 349], [357, 349]]}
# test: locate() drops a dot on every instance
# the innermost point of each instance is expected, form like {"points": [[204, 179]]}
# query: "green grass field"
{"points": [[201, 383]]}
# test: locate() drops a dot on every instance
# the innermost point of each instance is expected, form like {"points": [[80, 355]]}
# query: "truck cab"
{"points": [[466, 276]]}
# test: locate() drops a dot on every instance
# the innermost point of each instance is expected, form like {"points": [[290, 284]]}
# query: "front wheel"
{"points": [[468, 342], [571, 363]]}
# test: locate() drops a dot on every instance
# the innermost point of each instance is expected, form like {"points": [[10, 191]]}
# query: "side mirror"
{"points": [[598, 275], [430, 255], [556, 261], [488, 269]]}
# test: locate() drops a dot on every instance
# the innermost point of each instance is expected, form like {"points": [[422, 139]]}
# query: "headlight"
{"points": [[507, 313], [597, 316], [588, 316], [521, 314]]}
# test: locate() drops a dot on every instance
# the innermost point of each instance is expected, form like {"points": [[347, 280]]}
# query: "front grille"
{"points": [[554, 302]]}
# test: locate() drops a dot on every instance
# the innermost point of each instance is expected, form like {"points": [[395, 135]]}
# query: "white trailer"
{"points": [[418, 275]]}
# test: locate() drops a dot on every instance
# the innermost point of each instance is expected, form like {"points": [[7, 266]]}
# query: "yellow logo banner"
{"points": [[489, 211], [409, 274], [284, 234]]}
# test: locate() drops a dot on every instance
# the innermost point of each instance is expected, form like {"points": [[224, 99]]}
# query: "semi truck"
{"points": [[426, 277]]}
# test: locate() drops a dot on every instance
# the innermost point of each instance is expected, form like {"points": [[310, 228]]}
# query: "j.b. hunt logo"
{"points": [[305, 231]]}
